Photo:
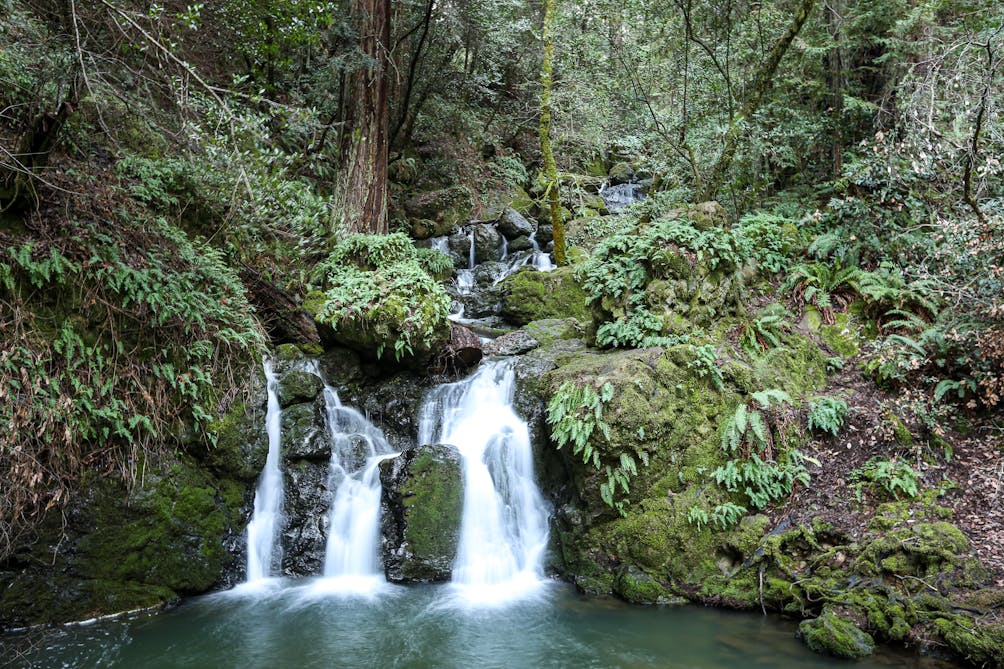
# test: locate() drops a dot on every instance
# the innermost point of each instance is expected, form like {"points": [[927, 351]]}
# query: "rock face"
{"points": [[487, 243], [422, 505]]}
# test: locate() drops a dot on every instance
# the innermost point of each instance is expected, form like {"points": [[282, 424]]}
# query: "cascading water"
{"points": [[503, 532], [267, 518], [358, 447], [620, 197]]}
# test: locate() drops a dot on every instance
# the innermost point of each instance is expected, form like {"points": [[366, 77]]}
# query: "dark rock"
{"points": [[304, 435], [460, 249], [463, 351], [487, 243], [488, 273], [422, 504], [297, 387], [514, 224], [545, 234], [306, 505], [521, 243], [621, 173]]}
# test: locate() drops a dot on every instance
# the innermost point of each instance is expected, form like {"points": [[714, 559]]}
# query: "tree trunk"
{"points": [[758, 88], [550, 168], [17, 181], [362, 183]]}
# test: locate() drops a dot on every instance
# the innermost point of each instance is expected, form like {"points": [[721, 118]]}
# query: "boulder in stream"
{"points": [[422, 504]]}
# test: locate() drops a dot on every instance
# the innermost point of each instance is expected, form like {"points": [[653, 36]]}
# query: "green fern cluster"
{"points": [[575, 414], [383, 284], [622, 265], [116, 337], [890, 477], [759, 468], [827, 414]]}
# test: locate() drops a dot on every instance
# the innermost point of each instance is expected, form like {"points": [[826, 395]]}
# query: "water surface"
{"points": [[302, 624]]}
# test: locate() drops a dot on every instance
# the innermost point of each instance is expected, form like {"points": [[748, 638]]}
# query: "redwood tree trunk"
{"points": [[363, 177]]}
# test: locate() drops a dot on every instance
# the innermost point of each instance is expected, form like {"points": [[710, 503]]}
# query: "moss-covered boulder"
{"points": [[422, 505], [435, 213], [376, 296], [830, 634], [298, 386], [530, 295]]}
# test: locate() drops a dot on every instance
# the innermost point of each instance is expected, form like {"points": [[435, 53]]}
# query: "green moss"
{"points": [[637, 587], [529, 295], [900, 432], [980, 645], [798, 367], [170, 535], [830, 634], [842, 337], [239, 446], [433, 504]]}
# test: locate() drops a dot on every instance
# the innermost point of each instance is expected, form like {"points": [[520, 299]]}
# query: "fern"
{"points": [[827, 414]]}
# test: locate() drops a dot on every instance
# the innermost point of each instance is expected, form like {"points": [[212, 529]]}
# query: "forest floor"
{"points": [[973, 476]]}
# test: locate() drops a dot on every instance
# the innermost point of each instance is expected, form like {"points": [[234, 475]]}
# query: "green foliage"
{"points": [[827, 414], [622, 265], [132, 333], [378, 289], [698, 517], [774, 240], [821, 284], [727, 515], [760, 468], [704, 365], [575, 414], [888, 477], [764, 330]]}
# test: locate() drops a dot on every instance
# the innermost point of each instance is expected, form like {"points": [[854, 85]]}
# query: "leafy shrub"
{"points": [[827, 414]]}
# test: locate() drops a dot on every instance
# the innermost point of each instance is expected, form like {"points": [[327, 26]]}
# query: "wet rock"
{"points": [[621, 173], [487, 243], [305, 506], [545, 234], [298, 386], [514, 224], [460, 249], [303, 432], [422, 504], [521, 243], [488, 273], [513, 343]]}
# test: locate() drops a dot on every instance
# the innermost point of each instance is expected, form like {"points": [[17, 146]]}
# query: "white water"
{"points": [[267, 518], [357, 449], [503, 532], [621, 196]]}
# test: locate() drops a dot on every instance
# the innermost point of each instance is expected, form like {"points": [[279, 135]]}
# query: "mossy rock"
{"points": [[530, 295], [830, 634], [240, 445], [981, 645], [422, 504], [435, 213], [297, 386], [798, 366]]}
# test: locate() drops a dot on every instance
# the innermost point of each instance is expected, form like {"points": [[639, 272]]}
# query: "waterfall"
{"points": [[503, 532], [357, 449], [542, 261], [267, 518]]}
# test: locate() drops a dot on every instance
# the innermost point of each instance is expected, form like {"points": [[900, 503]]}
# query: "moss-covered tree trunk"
{"points": [[550, 168], [757, 90], [362, 184]]}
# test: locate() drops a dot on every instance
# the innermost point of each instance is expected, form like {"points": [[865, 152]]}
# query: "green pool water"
{"points": [[299, 624]]}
